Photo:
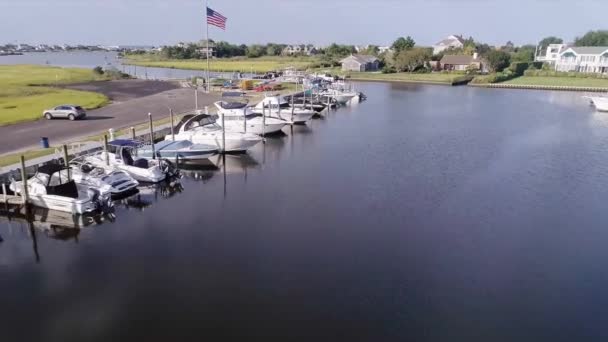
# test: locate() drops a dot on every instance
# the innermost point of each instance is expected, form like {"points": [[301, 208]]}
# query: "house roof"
{"points": [[458, 59], [587, 50], [451, 39], [361, 58]]}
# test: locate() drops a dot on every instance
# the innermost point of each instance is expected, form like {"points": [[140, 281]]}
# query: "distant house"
{"points": [[301, 49], [451, 42], [552, 54], [462, 63], [592, 59], [360, 63]]}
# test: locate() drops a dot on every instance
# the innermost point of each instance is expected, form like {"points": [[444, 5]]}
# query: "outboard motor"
{"points": [[102, 203], [169, 168]]}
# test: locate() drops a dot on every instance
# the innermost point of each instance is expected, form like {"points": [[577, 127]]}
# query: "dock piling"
{"points": [[67, 161], [105, 149], [293, 107], [133, 133], [223, 135], [151, 135], [24, 189], [172, 124]]}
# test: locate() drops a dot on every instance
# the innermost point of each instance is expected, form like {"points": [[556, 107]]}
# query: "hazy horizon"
{"points": [[155, 22]]}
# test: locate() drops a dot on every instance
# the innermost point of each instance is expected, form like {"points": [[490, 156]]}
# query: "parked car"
{"points": [[70, 112]]}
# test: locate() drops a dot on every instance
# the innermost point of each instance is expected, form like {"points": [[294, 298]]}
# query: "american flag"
{"points": [[216, 19]]}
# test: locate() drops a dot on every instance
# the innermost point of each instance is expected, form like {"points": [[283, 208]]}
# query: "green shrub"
{"points": [[98, 70], [388, 70]]}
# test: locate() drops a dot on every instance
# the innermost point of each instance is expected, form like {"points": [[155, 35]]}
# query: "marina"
{"points": [[357, 217]]}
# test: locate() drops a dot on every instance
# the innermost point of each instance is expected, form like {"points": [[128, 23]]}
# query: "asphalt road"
{"points": [[134, 104]]}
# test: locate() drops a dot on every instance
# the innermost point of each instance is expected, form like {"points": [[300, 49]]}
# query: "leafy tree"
{"points": [[339, 50], [402, 44], [550, 40], [498, 60], [593, 38], [371, 50], [412, 59], [524, 53], [255, 50], [98, 70], [508, 47]]}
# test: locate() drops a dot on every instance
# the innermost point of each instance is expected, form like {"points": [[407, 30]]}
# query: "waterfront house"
{"points": [[451, 42], [552, 53], [360, 63], [591, 59], [462, 63]]}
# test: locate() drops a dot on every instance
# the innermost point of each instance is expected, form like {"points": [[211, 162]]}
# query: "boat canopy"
{"points": [[124, 142], [233, 105], [49, 169], [194, 120]]}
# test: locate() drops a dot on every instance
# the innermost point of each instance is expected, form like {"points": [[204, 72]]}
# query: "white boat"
{"points": [[180, 149], [119, 182], [340, 96], [51, 189], [278, 107], [240, 118], [122, 155], [600, 102], [203, 129]]}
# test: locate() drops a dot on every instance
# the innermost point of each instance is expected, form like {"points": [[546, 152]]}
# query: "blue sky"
{"points": [[158, 22]]}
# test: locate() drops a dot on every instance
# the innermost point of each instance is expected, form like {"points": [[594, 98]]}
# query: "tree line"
{"points": [[403, 54]]}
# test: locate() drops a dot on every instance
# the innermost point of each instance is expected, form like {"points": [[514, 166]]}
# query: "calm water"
{"points": [[89, 60], [427, 213]]}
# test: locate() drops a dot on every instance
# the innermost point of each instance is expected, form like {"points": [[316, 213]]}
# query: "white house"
{"points": [[451, 42], [592, 59], [552, 54]]}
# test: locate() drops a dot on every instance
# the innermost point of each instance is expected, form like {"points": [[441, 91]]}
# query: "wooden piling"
{"points": [[293, 107], [105, 149], [264, 124], [196, 98], [223, 135], [151, 135], [172, 124], [133, 133], [24, 191], [67, 161]]}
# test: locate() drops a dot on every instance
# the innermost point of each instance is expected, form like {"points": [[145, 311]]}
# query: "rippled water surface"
{"points": [[426, 213]]}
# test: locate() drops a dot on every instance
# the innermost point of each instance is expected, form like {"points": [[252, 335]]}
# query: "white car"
{"points": [[70, 112]]}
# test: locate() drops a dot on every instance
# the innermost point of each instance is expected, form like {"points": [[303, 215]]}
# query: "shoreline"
{"points": [[540, 87]]}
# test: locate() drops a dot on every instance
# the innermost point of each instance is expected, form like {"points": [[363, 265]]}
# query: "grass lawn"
{"points": [[406, 77], [26, 90], [559, 81], [240, 64]]}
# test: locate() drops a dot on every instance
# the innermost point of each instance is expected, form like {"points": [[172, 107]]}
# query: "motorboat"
{"points": [[242, 119], [118, 181], [178, 149], [276, 106], [50, 188], [342, 97], [600, 102], [203, 129], [122, 155]]}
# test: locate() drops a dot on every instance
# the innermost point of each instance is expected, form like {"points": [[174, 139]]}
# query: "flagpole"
{"points": [[207, 26]]}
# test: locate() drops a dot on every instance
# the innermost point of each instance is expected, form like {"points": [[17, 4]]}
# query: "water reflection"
{"points": [[55, 225], [151, 193]]}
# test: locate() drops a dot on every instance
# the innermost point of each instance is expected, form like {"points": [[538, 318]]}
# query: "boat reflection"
{"points": [[56, 225], [150, 194]]}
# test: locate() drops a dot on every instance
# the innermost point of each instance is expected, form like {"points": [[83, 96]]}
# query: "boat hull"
{"points": [[63, 204], [600, 103]]}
